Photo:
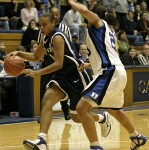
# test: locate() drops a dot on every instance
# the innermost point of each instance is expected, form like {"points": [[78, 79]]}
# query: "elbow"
{"points": [[58, 66]]}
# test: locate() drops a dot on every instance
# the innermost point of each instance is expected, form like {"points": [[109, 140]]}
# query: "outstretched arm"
{"points": [[92, 18]]}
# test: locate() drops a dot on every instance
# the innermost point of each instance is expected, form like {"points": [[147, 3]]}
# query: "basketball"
{"points": [[13, 66]]}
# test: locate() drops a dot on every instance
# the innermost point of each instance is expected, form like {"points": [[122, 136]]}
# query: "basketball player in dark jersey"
{"points": [[106, 90], [45, 78], [67, 81]]}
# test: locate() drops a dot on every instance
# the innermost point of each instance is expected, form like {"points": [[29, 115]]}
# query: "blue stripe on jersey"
{"points": [[98, 38], [98, 88]]}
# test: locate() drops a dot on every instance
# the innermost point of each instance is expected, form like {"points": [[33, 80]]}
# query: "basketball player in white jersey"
{"points": [[106, 90]]}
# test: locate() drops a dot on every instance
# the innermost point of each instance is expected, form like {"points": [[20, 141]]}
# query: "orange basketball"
{"points": [[13, 66]]}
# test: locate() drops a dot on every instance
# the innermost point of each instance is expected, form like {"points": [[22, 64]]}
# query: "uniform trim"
{"points": [[99, 43], [99, 86], [53, 81]]}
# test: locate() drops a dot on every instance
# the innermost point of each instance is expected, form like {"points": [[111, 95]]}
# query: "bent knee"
{"points": [[75, 118]]}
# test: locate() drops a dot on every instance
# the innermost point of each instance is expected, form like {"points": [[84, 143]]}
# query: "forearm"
{"points": [[77, 6], [28, 56], [49, 69]]}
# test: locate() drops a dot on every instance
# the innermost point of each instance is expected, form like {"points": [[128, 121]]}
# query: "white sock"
{"points": [[95, 143], [135, 133], [101, 118], [43, 135]]}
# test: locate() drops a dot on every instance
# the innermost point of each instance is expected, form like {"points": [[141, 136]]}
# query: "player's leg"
{"points": [[52, 95], [88, 122], [102, 118], [136, 138]]}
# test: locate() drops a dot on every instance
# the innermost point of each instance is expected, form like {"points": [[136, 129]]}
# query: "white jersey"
{"points": [[102, 44]]}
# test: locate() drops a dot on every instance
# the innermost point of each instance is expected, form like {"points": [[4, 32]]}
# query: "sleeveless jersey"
{"points": [[71, 57], [102, 43]]}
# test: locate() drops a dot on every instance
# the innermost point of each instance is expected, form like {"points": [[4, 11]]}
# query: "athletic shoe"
{"points": [[105, 125], [138, 141], [96, 148], [38, 144]]}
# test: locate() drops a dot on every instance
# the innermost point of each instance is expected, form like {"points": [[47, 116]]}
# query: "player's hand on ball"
{"points": [[30, 72], [14, 53]]}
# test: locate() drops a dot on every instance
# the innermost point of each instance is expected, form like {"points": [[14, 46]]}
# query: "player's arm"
{"points": [[58, 45], [92, 18], [35, 57]]}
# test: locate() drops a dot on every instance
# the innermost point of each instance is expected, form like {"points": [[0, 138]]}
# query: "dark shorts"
{"points": [[71, 85]]}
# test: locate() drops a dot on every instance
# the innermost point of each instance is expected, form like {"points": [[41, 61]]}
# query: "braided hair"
{"points": [[103, 14]]}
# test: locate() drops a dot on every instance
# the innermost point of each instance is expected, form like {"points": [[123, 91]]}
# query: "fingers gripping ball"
{"points": [[13, 66]]}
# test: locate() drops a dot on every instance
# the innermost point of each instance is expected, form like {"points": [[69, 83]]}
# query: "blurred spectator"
{"points": [[55, 11], [123, 43], [30, 34], [73, 20], [131, 58], [143, 26], [121, 10], [21, 48], [57, 4], [28, 13], [91, 3], [75, 41], [130, 27], [7, 84], [41, 9], [84, 52], [2, 54], [140, 1], [36, 2], [137, 13], [12, 11], [131, 5], [4, 20], [145, 9], [46, 4], [35, 65], [144, 56]]}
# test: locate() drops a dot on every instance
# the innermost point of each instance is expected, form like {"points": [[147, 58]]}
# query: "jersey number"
{"points": [[112, 39]]}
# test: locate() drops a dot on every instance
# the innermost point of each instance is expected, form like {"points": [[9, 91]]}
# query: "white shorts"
{"points": [[106, 90]]}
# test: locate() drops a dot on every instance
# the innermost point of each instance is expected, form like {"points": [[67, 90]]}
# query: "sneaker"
{"points": [[138, 141], [96, 148], [105, 125], [38, 144]]}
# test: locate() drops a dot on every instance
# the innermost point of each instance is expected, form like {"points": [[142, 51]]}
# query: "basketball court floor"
{"points": [[67, 135]]}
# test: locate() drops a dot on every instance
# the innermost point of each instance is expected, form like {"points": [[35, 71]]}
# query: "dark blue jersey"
{"points": [[71, 57]]}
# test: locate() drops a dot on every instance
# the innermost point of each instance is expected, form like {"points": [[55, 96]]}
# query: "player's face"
{"points": [[46, 25]]}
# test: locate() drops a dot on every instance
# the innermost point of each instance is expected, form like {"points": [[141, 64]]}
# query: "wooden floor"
{"points": [[67, 135]]}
